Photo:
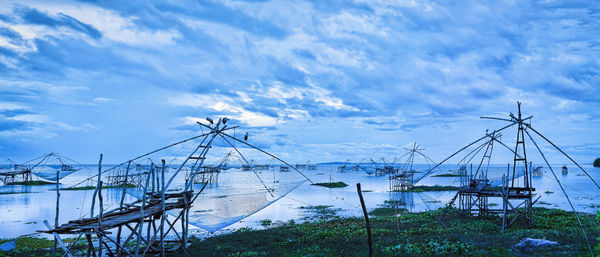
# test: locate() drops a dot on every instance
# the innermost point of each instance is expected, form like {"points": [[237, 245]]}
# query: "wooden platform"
{"points": [[131, 214]]}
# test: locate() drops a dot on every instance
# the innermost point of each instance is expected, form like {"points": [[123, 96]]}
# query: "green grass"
{"points": [[448, 175], [408, 234], [31, 183], [94, 187], [418, 189], [386, 211], [15, 193], [331, 184]]}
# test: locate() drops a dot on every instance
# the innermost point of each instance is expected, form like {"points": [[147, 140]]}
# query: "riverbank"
{"points": [[410, 234]]}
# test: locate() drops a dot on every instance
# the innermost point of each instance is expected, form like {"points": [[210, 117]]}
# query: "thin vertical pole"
{"points": [[57, 209], [140, 231], [164, 215], [100, 211], [97, 186], [364, 208], [121, 203]]}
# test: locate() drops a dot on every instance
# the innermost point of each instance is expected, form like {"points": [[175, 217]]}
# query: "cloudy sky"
{"points": [[309, 80]]}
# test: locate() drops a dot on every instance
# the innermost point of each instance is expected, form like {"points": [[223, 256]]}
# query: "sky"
{"points": [[308, 80]]}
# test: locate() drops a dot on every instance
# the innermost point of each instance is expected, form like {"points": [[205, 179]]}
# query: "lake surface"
{"points": [[23, 213]]}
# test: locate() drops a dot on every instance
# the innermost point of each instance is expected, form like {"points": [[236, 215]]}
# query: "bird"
{"points": [[246, 137], [210, 120], [225, 120]]}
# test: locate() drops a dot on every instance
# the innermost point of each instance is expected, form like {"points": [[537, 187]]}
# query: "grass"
{"points": [[448, 175], [30, 183], [418, 189], [266, 222], [386, 211], [94, 187], [408, 234], [15, 193], [331, 184], [35, 246]]}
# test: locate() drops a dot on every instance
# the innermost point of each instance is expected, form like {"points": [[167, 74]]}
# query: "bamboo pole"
{"points": [[96, 190], [164, 215], [368, 224], [57, 211], [100, 211], [121, 204], [140, 231]]}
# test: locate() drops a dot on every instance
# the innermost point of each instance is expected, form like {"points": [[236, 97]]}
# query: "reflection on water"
{"points": [[25, 207]]}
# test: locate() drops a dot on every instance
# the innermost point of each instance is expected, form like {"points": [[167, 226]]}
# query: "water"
{"points": [[23, 213]]}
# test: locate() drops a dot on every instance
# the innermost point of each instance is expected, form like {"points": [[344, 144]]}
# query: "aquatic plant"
{"points": [[331, 184], [418, 189], [94, 187], [30, 183], [408, 234], [448, 175], [266, 222]]}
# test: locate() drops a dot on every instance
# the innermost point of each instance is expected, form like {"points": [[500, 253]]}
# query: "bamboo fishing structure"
{"points": [[145, 219], [516, 191]]}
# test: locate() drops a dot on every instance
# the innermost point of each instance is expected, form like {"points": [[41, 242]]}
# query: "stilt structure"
{"points": [[16, 173], [150, 232], [402, 179], [516, 191]]}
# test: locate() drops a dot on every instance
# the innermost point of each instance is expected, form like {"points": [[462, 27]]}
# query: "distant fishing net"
{"points": [[217, 207], [49, 172]]}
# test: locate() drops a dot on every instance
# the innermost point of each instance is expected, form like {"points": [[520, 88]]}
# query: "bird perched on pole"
{"points": [[246, 136]]}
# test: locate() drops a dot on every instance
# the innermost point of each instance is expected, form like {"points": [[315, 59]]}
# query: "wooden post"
{"points": [[97, 185], [141, 230], [57, 210], [121, 204], [364, 208], [100, 217], [164, 215]]}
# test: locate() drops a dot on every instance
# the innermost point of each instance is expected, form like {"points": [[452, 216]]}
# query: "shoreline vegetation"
{"points": [[597, 162], [407, 234], [450, 175], [30, 183], [331, 184], [94, 187]]}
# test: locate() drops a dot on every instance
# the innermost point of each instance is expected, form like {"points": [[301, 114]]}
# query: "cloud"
{"points": [[385, 70]]}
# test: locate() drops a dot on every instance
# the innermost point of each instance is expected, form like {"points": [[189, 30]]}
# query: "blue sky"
{"points": [[309, 80]]}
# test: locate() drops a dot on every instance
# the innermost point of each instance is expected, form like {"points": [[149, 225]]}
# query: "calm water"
{"points": [[24, 213]]}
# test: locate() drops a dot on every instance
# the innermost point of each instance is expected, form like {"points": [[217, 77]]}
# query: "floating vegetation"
{"points": [[16, 193], [266, 222], [409, 234], [331, 184], [418, 189], [30, 183], [548, 192], [452, 175], [320, 212], [93, 187], [394, 202], [387, 211]]}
